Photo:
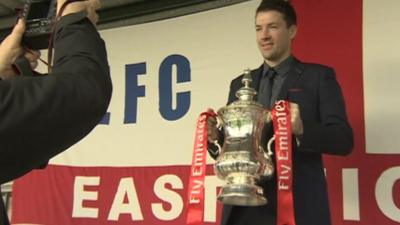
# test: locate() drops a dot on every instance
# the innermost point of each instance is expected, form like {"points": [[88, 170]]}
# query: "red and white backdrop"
{"points": [[133, 168]]}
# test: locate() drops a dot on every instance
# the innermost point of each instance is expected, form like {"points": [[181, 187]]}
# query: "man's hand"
{"points": [[89, 5], [212, 130], [297, 123], [11, 49]]}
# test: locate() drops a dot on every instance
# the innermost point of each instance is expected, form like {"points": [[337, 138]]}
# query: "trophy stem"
{"points": [[242, 190]]}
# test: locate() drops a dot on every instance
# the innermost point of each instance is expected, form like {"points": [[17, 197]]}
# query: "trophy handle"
{"points": [[218, 146], [220, 123], [219, 127], [267, 116], [272, 139], [269, 165]]}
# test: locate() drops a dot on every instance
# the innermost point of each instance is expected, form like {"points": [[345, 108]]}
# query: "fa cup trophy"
{"points": [[242, 161]]}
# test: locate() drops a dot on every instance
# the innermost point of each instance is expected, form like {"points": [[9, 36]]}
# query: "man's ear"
{"points": [[292, 31]]}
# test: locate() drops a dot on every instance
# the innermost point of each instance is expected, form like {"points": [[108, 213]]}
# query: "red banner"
{"points": [[195, 202], [283, 154], [109, 195]]}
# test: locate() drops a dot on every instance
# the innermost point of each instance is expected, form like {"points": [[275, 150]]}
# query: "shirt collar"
{"points": [[283, 67]]}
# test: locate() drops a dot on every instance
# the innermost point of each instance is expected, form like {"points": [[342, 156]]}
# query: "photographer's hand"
{"points": [[89, 5], [11, 49]]}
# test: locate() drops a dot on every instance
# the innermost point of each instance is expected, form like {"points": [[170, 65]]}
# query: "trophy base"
{"points": [[242, 195]]}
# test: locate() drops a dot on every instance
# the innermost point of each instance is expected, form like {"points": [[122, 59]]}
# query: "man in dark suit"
{"points": [[319, 121], [42, 116]]}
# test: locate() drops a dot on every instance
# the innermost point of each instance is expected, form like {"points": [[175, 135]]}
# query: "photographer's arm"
{"points": [[42, 116]]}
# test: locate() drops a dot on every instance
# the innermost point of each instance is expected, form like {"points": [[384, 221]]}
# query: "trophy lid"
{"points": [[245, 102], [246, 93]]}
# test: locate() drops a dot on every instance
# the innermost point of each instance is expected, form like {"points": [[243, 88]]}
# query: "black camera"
{"points": [[39, 16]]}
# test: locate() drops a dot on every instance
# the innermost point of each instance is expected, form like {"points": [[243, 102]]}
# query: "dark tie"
{"points": [[265, 91]]}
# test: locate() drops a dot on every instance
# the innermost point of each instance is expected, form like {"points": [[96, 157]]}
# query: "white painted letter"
{"points": [[80, 195], [210, 204], [351, 197], [384, 193], [173, 198], [126, 188]]}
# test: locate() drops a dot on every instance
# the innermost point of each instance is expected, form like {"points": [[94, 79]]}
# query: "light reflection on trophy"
{"points": [[242, 161]]}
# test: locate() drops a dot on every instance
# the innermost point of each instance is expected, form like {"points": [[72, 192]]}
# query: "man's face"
{"points": [[273, 36]]}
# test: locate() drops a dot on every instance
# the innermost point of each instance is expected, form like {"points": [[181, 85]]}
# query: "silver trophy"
{"points": [[242, 161]]}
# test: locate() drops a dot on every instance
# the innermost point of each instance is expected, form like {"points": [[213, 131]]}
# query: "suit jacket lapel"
{"points": [[292, 77]]}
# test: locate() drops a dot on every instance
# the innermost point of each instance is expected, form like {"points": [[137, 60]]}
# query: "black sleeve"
{"points": [[332, 134], [43, 116]]}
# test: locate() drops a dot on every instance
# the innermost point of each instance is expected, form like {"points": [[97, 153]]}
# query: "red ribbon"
{"points": [[284, 168], [195, 200]]}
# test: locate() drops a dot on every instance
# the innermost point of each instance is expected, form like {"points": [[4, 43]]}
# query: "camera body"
{"points": [[39, 16]]}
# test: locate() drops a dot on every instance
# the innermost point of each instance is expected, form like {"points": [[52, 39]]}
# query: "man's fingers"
{"points": [[89, 5], [92, 6], [293, 105], [212, 129], [18, 32], [297, 123], [211, 120], [32, 55], [95, 4], [34, 64], [92, 15], [19, 27], [294, 111]]}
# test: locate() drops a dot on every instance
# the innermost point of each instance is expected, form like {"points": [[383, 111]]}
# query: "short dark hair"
{"points": [[282, 6]]}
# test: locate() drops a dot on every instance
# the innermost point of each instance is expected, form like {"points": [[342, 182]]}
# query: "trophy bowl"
{"points": [[242, 160]]}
